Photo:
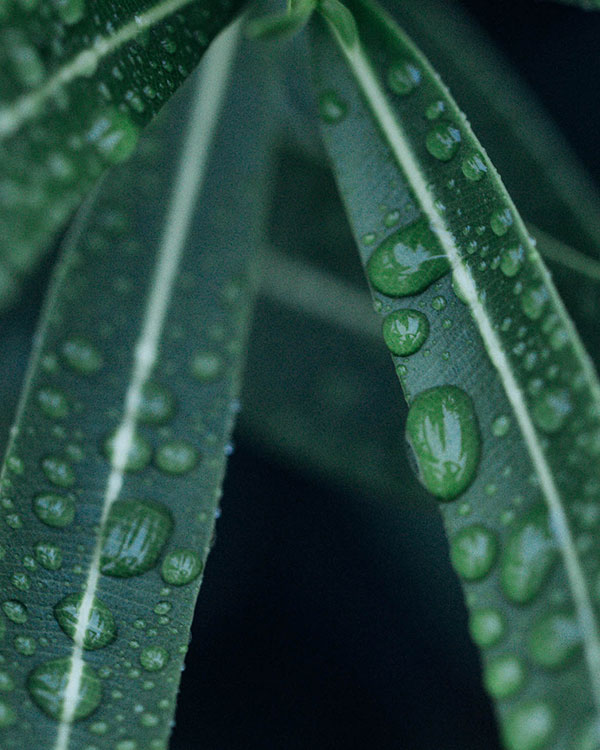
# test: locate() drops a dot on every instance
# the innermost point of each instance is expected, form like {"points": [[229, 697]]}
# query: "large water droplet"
{"points": [[473, 552], [443, 140], [504, 676], [136, 531], [100, 630], [554, 640], [405, 331], [527, 559], [181, 566], [54, 510], [407, 261], [528, 726], [443, 432], [47, 685]]}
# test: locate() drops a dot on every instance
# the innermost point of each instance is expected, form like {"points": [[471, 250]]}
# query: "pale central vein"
{"points": [[25, 108], [403, 153], [191, 172]]}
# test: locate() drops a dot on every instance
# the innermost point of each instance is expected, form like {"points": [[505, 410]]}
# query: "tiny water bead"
{"points": [[157, 405], [487, 626], [501, 426], [58, 471], [154, 658], [114, 136], [176, 457], [21, 581], [527, 559], [504, 676], [501, 221], [81, 356], [407, 261], [48, 555], [405, 331], [551, 408], [54, 510], [138, 456], [181, 566], [52, 402], [403, 77], [528, 726], [474, 167], [47, 684], [512, 260], [443, 431], [101, 628], [15, 610], [162, 608], [332, 108], [207, 366], [135, 534], [443, 140], [473, 552], [554, 640]]}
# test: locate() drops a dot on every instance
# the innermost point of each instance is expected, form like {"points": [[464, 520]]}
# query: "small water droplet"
{"points": [[181, 566], [403, 77], [501, 425], [443, 140], [405, 331], [154, 658], [114, 136], [15, 610], [7, 716], [504, 676], [512, 260], [474, 167], [81, 356], [528, 726], [48, 555], [473, 552], [138, 456], [58, 471], [554, 640], [551, 408], [157, 405], [52, 402], [54, 510], [332, 107], [207, 366], [487, 627], [501, 221], [176, 457]]}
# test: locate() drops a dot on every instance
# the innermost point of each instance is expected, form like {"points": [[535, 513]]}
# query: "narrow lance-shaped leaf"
{"points": [[504, 417], [112, 478], [78, 80]]}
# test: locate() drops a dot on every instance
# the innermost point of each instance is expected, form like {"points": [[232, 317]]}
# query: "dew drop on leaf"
{"points": [[181, 566], [7, 716], [504, 676], [554, 640], [15, 610], [207, 366], [58, 471], [443, 432], [332, 108], [101, 628], [443, 140], [551, 408], [157, 404], [473, 167], [501, 221], [114, 136], [25, 645], [405, 331], [135, 533], [487, 626], [473, 552], [54, 510], [52, 402], [139, 452], [403, 77], [529, 726], [47, 684], [154, 658], [511, 260], [176, 457], [48, 555], [81, 356], [407, 261], [500, 425]]}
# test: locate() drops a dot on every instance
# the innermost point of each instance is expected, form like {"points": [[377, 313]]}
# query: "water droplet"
{"points": [[81, 356], [551, 408], [47, 684], [527, 559], [157, 404], [70, 11], [6, 682], [512, 260], [443, 140], [54, 510], [58, 471], [435, 110], [100, 630], [504, 676], [136, 531], [501, 425], [162, 608], [443, 432], [533, 301], [474, 167], [114, 136], [487, 627], [332, 107], [473, 552], [176, 457], [7, 716], [501, 221], [138, 456], [154, 658], [407, 261], [403, 77], [25, 645], [554, 640], [21, 581], [528, 726], [181, 566], [405, 331], [48, 555], [15, 610], [52, 402], [207, 366]]}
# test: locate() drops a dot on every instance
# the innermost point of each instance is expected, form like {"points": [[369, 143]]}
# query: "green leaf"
{"points": [[77, 84], [112, 476], [504, 416]]}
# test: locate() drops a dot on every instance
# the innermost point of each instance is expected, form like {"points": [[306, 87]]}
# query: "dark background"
{"points": [[328, 619]]}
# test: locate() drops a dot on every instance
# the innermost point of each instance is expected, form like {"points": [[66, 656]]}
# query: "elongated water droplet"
{"points": [[114, 136], [443, 140], [512, 260], [47, 685], [527, 559], [135, 533], [407, 261], [15, 610], [52, 402], [81, 356], [405, 331], [101, 628], [443, 432], [207, 366], [58, 471], [501, 221], [473, 552], [181, 566], [54, 510], [176, 457], [7, 716]]}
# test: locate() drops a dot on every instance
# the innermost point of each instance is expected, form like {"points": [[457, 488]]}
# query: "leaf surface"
{"points": [[78, 81], [112, 477], [504, 404]]}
